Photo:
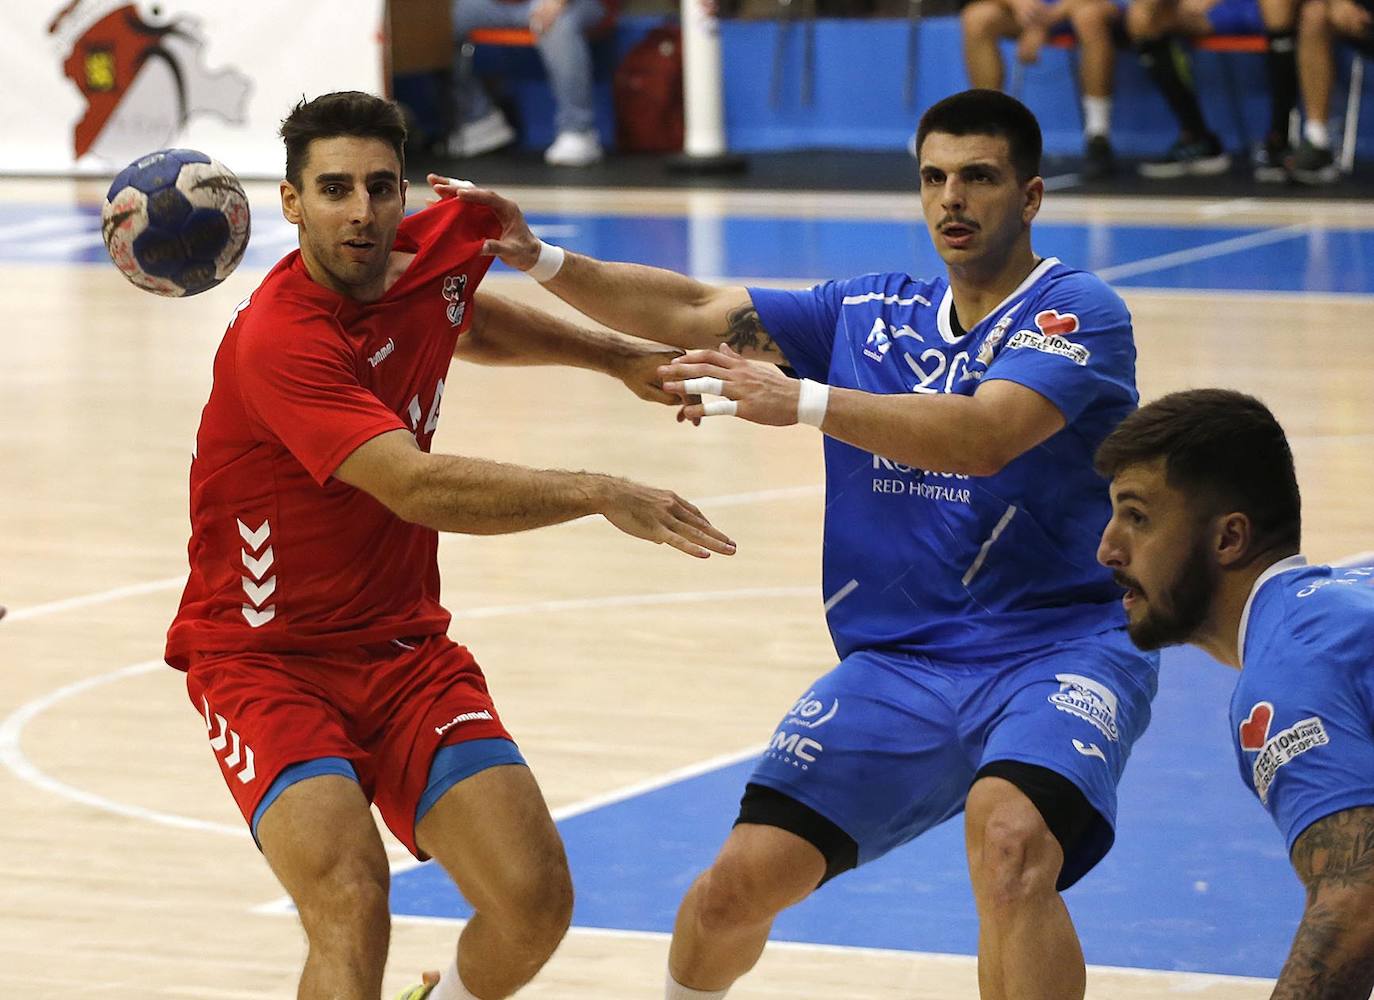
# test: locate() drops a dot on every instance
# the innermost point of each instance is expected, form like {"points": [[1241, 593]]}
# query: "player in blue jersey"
{"points": [[1205, 531], [983, 661]]}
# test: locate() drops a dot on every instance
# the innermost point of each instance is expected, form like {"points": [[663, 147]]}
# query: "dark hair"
{"points": [[987, 112], [1220, 445], [347, 112]]}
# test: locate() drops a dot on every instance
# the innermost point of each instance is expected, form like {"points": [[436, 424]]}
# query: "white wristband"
{"points": [[811, 402], [548, 263]]}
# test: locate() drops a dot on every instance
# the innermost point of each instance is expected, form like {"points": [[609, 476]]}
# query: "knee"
{"points": [[1312, 19], [981, 20], [349, 900], [538, 906], [1013, 856], [1092, 22]]}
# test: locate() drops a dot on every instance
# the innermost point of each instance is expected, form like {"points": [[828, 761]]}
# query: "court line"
{"points": [[172, 582], [1206, 251], [12, 727]]}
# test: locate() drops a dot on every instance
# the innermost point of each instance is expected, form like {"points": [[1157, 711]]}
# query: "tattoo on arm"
{"points": [[744, 332], [1332, 957]]}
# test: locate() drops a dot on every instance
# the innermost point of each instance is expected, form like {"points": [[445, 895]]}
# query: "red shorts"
{"points": [[386, 707]]}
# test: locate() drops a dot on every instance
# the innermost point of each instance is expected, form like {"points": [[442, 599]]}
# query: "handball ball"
{"points": [[175, 222]]}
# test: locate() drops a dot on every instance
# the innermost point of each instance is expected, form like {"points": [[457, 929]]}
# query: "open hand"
{"points": [[661, 516], [517, 246]]}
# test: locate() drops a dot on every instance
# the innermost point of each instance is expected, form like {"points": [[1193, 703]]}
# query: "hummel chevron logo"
{"points": [[222, 734], [254, 539], [256, 618], [259, 592], [260, 565]]}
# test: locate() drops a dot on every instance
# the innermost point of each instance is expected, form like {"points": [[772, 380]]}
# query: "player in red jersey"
{"points": [[310, 630]]}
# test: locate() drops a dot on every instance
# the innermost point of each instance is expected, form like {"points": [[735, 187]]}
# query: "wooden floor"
{"points": [[124, 868]]}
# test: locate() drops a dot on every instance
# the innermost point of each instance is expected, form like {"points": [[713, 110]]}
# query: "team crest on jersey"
{"points": [[1277, 750], [1088, 699], [455, 286]]}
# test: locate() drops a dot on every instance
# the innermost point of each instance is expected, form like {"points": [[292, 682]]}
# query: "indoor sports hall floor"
{"points": [[638, 681]]}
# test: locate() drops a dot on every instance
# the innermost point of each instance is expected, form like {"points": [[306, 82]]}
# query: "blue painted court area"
{"points": [[1131, 256], [1198, 880]]}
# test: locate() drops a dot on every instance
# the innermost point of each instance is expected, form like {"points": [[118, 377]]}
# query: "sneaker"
{"points": [[417, 992], [1202, 157], [574, 149], [1313, 165], [1099, 162], [1270, 160], [487, 133]]}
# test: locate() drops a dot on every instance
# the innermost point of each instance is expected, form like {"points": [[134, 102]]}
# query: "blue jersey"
{"points": [[955, 566], [1302, 714]]}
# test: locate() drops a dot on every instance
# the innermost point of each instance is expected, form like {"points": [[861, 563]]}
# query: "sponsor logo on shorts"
{"points": [[458, 720], [1088, 699], [1282, 747], [810, 712], [793, 748]]}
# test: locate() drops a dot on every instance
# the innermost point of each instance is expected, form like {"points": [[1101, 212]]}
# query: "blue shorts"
{"points": [[1236, 17], [887, 744]]}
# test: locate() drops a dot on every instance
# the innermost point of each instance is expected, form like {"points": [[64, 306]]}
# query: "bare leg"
{"points": [[724, 920], [321, 841], [983, 22], [1027, 946], [1316, 60], [493, 834], [1092, 22]]}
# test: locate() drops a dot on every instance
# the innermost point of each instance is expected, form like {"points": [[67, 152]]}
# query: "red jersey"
{"points": [[283, 556]]}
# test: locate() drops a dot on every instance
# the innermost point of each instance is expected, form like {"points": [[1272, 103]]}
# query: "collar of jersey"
{"points": [[947, 303], [1282, 566]]}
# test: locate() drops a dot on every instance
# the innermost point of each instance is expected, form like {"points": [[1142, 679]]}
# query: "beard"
{"points": [[1176, 613]]}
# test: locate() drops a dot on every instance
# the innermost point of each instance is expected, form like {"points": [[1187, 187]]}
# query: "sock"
{"points": [[1317, 133], [451, 985], [1097, 116], [676, 991], [1168, 68], [1281, 59]]}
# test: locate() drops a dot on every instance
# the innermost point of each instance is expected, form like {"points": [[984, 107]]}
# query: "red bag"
{"points": [[648, 94]]}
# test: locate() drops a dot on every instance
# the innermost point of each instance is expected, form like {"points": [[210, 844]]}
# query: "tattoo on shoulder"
{"points": [[1337, 851], [744, 332]]}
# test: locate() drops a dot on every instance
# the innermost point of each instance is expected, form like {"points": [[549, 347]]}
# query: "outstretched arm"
{"points": [[648, 302], [480, 497], [1332, 957]]}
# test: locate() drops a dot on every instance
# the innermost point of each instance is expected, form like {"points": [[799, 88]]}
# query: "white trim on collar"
{"points": [[946, 329], [1282, 566]]}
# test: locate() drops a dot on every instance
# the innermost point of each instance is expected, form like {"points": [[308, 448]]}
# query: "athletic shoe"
{"points": [[574, 149], [1202, 157], [417, 992], [1270, 160], [1099, 163], [1313, 165], [487, 133]]}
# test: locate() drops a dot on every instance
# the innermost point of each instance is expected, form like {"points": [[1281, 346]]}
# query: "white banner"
{"points": [[90, 85]]}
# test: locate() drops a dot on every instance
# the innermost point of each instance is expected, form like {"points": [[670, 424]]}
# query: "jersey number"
{"points": [[432, 421]]}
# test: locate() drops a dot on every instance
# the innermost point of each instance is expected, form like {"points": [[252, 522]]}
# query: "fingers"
{"points": [[719, 407], [704, 385], [695, 540]]}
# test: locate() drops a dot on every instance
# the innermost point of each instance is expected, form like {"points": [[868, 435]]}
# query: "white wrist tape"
{"points": [[812, 401], [548, 263]]}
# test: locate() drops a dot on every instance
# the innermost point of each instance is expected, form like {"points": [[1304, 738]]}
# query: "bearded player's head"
{"points": [[345, 188], [1202, 488]]}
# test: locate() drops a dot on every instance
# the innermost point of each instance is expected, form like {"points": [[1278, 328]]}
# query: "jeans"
{"points": [[563, 47]]}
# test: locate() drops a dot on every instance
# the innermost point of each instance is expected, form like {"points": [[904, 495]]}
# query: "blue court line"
{"points": [[1263, 259], [1198, 880]]}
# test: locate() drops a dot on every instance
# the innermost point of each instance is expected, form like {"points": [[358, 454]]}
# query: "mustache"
{"points": [[955, 220], [1126, 582]]}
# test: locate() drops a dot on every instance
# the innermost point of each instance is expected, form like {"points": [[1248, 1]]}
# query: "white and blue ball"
{"points": [[176, 222]]}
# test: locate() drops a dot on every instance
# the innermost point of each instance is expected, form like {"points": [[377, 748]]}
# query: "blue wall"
{"points": [[858, 89]]}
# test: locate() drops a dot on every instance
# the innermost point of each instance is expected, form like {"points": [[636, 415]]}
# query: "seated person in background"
{"points": [[1151, 25], [560, 30], [984, 22], [1319, 23]]}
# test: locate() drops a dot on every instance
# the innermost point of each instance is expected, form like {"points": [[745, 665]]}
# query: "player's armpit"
{"points": [[1332, 957]]}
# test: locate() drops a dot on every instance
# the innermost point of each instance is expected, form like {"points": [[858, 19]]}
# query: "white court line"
{"points": [[1232, 206], [1205, 252], [12, 728], [47, 224], [172, 582]]}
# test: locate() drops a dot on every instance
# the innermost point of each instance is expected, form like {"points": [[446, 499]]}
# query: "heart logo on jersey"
{"points": [[1254, 731], [1053, 325]]}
